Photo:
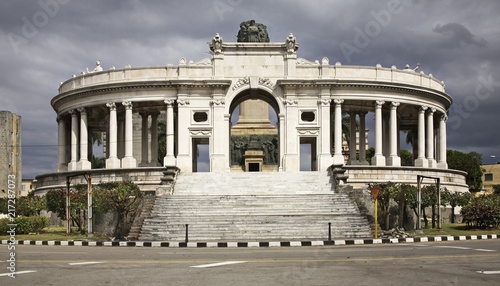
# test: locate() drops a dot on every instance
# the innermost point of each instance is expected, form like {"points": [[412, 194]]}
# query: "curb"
{"points": [[253, 243]]}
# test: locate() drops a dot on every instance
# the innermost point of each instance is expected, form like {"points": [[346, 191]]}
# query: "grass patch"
{"points": [[53, 233], [456, 229]]}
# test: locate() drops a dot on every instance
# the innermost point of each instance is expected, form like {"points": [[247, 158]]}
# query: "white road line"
{"points": [[19, 272], [218, 264], [484, 249], [85, 263], [454, 247], [488, 272]]}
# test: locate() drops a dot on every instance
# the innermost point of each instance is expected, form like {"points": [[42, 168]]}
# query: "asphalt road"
{"points": [[444, 263]]}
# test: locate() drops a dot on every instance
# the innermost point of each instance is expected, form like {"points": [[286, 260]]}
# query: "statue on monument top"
{"points": [[252, 32]]}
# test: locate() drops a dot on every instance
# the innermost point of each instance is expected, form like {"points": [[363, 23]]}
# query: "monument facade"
{"points": [[196, 100]]}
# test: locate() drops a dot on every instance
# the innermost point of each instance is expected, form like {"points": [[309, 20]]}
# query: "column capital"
{"points": [[423, 108], [338, 101], [362, 113], [444, 117], [127, 104], [324, 102], [431, 111], [379, 103], [111, 105], [82, 110], [73, 112], [154, 113], [183, 102], [395, 104], [144, 113], [217, 102], [169, 102]]}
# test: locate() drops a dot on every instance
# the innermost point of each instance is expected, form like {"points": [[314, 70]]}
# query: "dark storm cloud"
{"points": [[456, 41], [458, 35]]}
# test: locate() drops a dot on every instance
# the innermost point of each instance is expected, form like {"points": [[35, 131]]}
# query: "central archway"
{"points": [[254, 139]]}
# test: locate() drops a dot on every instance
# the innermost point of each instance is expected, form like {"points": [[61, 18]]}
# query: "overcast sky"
{"points": [[45, 42]]}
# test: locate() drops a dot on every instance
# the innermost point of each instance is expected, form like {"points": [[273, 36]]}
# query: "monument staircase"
{"points": [[253, 206]]}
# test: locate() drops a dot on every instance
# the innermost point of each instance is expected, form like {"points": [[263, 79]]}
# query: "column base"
{"points": [[84, 165], [338, 159], [442, 165], [62, 168], [378, 160], [72, 166], [393, 161], [113, 163], [169, 160], [154, 164], [363, 163], [432, 163], [353, 162], [129, 162], [421, 162], [144, 164]]}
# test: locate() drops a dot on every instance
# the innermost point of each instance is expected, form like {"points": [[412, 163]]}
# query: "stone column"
{"points": [[128, 161], [378, 159], [84, 163], [393, 160], [325, 153], [62, 161], [442, 164], [112, 162], [169, 159], [430, 138], [121, 136], [421, 161], [362, 138], [220, 135], [154, 139], [144, 140], [282, 135], [338, 158], [352, 138], [72, 166]]}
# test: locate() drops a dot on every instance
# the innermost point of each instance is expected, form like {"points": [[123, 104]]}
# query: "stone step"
{"points": [[236, 206]]}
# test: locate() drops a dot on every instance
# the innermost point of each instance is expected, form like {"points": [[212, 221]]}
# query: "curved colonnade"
{"points": [[196, 100]]}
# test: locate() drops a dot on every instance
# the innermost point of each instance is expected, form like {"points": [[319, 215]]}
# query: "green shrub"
{"points": [[482, 212], [3, 226], [24, 225], [37, 223]]}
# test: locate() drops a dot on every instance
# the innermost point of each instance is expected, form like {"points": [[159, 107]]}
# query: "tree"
{"points": [[56, 202], [406, 157], [162, 141], [369, 154], [496, 189], [455, 199], [122, 197], [470, 163], [387, 191]]}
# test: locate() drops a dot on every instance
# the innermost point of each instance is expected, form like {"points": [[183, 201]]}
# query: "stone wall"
{"points": [[361, 176], [10, 151], [148, 179]]}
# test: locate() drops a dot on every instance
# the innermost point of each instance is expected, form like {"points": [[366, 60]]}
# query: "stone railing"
{"points": [[351, 74], [361, 176]]}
